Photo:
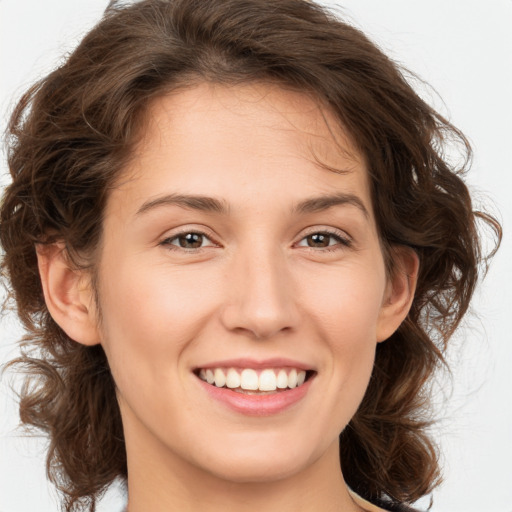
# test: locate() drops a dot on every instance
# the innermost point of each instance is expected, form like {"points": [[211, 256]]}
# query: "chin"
{"points": [[257, 471], [260, 464]]}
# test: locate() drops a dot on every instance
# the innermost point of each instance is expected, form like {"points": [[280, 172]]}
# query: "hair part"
{"points": [[73, 133]]}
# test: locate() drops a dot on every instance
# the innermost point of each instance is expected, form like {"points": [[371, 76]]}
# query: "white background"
{"points": [[463, 48]]}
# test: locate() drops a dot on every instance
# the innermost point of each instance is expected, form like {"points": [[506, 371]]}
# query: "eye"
{"points": [[323, 240], [188, 240]]}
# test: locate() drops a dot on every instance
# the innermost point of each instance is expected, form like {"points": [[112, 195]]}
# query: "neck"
{"points": [[167, 486]]}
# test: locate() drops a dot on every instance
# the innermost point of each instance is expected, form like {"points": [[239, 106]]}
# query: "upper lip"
{"points": [[244, 362]]}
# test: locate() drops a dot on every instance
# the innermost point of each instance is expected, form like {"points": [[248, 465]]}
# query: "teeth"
{"points": [[282, 380], [220, 378], [232, 379], [267, 380], [292, 379], [248, 379]]}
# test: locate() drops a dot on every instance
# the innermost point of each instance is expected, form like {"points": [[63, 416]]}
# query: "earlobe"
{"points": [[68, 294], [399, 293]]}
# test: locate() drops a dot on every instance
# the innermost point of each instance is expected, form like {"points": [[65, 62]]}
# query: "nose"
{"points": [[261, 298]]}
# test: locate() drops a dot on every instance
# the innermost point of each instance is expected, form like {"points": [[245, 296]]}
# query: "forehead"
{"points": [[255, 110], [234, 140]]}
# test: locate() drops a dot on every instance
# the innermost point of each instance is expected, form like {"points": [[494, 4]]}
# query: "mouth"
{"points": [[255, 381]]}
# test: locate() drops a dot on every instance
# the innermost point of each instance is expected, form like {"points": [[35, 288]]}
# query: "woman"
{"points": [[239, 253]]}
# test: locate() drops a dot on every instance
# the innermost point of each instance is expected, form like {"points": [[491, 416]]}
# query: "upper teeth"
{"points": [[268, 379]]}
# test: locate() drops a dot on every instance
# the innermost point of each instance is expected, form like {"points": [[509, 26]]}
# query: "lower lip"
{"points": [[257, 405]]}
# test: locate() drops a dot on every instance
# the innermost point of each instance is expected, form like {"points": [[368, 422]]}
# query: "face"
{"points": [[241, 283]]}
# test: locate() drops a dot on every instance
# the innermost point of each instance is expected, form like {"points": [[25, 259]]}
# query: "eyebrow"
{"points": [[321, 203], [211, 204], [190, 202]]}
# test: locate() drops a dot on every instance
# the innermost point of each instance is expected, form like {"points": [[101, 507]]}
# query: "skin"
{"points": [[255, 288]]}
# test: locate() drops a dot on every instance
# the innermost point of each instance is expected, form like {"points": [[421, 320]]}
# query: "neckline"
{"points": [[368, 507]]}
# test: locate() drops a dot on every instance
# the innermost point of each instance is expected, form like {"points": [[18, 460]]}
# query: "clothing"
{"points": [[370, 507]]}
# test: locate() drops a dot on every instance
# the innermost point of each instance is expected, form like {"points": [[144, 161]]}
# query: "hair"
{"points": [[71, 135]]}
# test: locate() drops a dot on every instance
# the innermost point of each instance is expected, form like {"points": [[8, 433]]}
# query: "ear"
{"points": [[68, 294], [399, 292]]}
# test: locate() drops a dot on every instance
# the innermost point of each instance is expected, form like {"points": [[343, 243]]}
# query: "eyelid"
{"points": [[184, 230], [343, 237]]}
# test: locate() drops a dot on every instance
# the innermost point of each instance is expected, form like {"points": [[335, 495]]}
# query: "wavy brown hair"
{"points": [[71, 135]]}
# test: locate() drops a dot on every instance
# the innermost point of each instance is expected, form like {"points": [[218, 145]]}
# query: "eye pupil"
{"points": [[190, 240], [318, 240]]}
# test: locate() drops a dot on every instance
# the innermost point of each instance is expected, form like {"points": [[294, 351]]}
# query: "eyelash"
{"points": [[168, 242], [342, 240]]}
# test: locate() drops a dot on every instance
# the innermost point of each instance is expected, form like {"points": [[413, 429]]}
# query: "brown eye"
{"points": [[319, 240], [188, 240], [325, 240]]}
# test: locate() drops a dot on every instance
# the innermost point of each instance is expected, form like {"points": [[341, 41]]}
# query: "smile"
{"points": [[256, 387], [254, 381]]}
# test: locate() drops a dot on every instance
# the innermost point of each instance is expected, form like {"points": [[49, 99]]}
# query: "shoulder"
{"points": [[380, 506], [390, 507]]}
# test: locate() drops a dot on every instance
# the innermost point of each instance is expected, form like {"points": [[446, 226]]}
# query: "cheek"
{"points": [[150, 315], [346, 307], [346, 301]]}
